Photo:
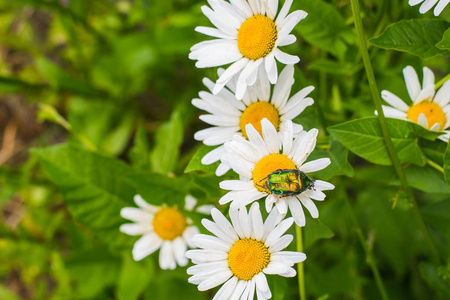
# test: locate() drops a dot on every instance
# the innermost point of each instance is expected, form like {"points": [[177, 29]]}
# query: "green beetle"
{"points": [[287, 182]]}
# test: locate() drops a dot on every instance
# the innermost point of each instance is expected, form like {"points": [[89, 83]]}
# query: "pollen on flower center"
{"points": [[267, 165], [169, 223], [432, 111], [248, 257], [256, 37], [257, 111]]}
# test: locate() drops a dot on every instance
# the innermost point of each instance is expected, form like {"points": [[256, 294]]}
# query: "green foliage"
{"points": [[111, 85], [324, 27], [168, 138], [364, 138], [417, 37], [93, 186], [445, 42]]}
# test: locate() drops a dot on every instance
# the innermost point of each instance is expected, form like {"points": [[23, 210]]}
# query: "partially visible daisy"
{"points": [[163, 228], [230, 116], [248, 34], [429, 109], [241, 253], [259, 161], [428, 4]]}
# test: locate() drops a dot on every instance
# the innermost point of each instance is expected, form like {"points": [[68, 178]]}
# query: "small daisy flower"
{"points": [[428, 4], [229, 116], [429, 109], [241, 253], [248, 34], [273, 165], [163, 228]]}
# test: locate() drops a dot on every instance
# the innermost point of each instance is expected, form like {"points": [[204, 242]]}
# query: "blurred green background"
{"points": [[114, 78]]}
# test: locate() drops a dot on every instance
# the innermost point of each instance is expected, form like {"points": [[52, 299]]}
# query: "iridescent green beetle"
{"points": [[288, 182]]}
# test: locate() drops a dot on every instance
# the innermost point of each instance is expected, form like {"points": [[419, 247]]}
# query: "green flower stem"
{"points": [[384, 128], [434, 165], [300, 271], [367, 250], [441, 82]]}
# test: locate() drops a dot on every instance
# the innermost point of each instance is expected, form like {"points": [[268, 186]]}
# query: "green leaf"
{"points": [[195, 164], [437, 215], [364, 138], [339, 164], [168, 138], [447, 164], [158, 189], [93, 187], [315, 230], [334, 67], [134, 278], [140, 152], [324, 27], [93, 270], [431, 275], [417, 37], [426, 179], [445, 42]]}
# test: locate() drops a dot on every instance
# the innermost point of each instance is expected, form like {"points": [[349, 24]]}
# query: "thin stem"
{"points": [[441, 82], [370, 259], [384, 128], [300, 270], [434, 165]]}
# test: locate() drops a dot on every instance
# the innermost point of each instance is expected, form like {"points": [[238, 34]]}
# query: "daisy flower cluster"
{"points": [[251, 110], [428, 107]]}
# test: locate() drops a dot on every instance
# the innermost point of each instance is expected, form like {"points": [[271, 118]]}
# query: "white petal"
{"points": [[297, 211], [428, 77], [213, 155], [257, 222], [285, 58], [440, 7], [310, 206], [442, 97], [315, 165], [278, 232], [145, 246], [270, 136], [210, 242], [214, 281], [412, 82], [223, 234], [136, 214], [135, 229], [166, 257], [395, 101], [227, 289], [422, 121], [275, 268], [179, 251], [281, 243], [390, 112]]}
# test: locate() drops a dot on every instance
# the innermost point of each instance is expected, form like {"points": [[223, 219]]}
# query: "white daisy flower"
{"points": [[241, 253], [248, 36], [429, 109], [428, 4], [273, 165], [229, 115], [163, 228]]}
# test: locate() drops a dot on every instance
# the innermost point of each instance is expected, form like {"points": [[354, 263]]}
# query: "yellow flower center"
{"points": [[169, 223], [267, 165], [248, 257], [256, 37], [432, 111], [257, 111]]}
